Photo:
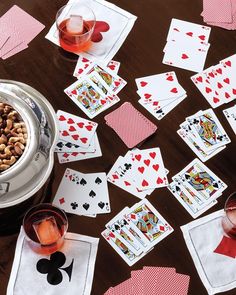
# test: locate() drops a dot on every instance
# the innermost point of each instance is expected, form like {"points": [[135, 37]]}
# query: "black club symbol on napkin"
{"points": [[53, 266]]}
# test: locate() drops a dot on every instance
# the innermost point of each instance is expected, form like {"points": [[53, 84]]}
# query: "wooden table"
{"points": [[141, 55]]}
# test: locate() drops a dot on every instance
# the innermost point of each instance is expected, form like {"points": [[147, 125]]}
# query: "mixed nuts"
{"points": [[13, 136]]}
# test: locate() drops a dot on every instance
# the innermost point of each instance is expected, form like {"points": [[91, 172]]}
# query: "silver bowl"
{"points": [[24, 178]]}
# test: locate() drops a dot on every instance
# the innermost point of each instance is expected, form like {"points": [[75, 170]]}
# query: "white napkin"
{"points": [[73, 271], [119, 20], [202, 236]]}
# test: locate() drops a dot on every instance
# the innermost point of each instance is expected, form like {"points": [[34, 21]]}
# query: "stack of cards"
{"points": [[187, 45], [77, 138], [230, 115], [96, 90], [152, 280], [196, 187], [139, 172], [218, 83], [135, 231], [220, 13], [18, 29], [160, 93], [83, 194], [204, 134], [131, 125]]}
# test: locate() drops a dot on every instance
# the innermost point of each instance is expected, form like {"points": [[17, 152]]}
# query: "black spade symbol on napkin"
{"points": [[53, 266], [86, 206], [83, 181], [98, 180], [92, 194]]}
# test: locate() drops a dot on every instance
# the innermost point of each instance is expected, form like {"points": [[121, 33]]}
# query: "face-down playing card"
{"points": [[81, 194], [131, 126]]}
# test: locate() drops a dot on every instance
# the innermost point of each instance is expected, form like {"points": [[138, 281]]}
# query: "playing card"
{"points": [[217, 11], [130, 125], [118, 175], [64, 146], [75, 129], [187, 201], [13, 51], [89, 97], [137, 282], [115, 82], [230, 115], [83, 63], [149, 221], [159, 109], [20, 26], [186, 31], [159, 87], [191, 142], [207, 127], [81, 194], [186, 56], [65, 157], [201, 180], [128, 256], [123, 288], [118, 226], [149, 171]]}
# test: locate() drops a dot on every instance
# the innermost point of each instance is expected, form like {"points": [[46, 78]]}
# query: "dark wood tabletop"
{"points": [[42, 67]]}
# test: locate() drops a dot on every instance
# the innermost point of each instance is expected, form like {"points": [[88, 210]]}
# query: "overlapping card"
{"points": [[18, 29], [78, 139], [96, 90], [160, 93], [130, 125], [135, 231], [204, 134], [220, 13], [196, 187], [152, 280], [218, 83], [83, 194], [187, 45], [230, 115], [139, 172]]}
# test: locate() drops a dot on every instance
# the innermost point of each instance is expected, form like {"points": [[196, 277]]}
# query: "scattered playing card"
{"points": [[187, 45], [66, 157], [83, 63], [132, 241], [160, 93], [230, 115], [130, 125], [19, 29], [83, 194], [201, 181], [152, 280], [75, 129], [218, 83], [220, 14], [195, 133], [92, 95]]}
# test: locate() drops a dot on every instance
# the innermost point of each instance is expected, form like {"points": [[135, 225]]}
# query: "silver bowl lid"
{"points": [[31, 171]]}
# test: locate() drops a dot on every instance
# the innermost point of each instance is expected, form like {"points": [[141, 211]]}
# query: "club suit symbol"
{"points": [[53, 267]]}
